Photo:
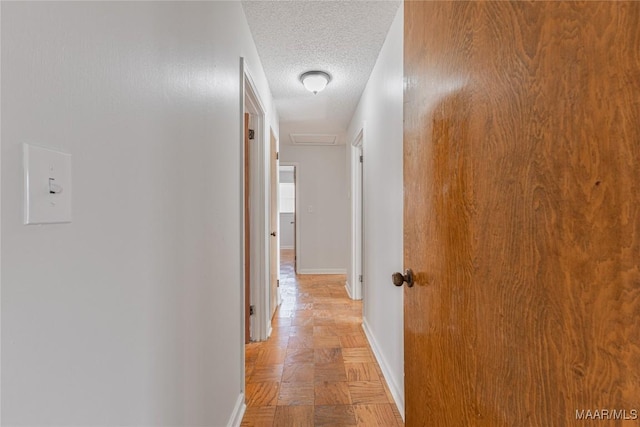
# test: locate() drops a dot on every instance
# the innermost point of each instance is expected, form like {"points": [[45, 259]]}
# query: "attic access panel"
{"points": [[313, 139]]}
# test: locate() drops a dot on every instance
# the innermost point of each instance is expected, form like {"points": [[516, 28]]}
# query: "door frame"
{"points": [[251, 102], [246, 228], [355, 288], [274, 211], [296, 229]]}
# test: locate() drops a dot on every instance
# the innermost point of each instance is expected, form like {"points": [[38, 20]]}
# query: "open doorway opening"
{"points": [[288, 218]]}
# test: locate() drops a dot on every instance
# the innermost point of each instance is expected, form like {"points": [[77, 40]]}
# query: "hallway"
{"points": [[317, 367]]}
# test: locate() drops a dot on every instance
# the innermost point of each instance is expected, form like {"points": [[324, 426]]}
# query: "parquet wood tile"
{"points": [[262, 394], [332, 393], [375, 415], [298, 373], [281, 321], [357, 355], [303, 313], [353, 341], [330, 372], [279, 341], [259, 416], [294, 416], [324, 330], [280, 330], [328, 341], [317, 368], [296, 394], [327, 355], [301, 321], [265, 373], [305, 330], [361, 372], [284, 313], [323, 321], [399, 419], [367, 392], [271, 355], [351, 329], [301, 342], [248, 370], [335, 416], [299, 355]]}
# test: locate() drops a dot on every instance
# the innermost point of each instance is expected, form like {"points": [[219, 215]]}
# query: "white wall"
{"points": [[130, 315], [286, 218], [322, 186], [286, 175], [286, 230], [380, 109]]}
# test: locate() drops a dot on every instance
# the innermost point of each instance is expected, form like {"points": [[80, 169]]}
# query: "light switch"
{"points": [[47, 186]]}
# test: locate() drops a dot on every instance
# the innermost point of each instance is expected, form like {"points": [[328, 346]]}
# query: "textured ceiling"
{"points": [[342, 38]]}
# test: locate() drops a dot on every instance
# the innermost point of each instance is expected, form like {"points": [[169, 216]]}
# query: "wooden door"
{"points": [[273, 221], [522, 219], [247, 235]]}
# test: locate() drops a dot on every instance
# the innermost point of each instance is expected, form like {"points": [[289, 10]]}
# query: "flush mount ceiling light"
{"points": [[315, 81]]}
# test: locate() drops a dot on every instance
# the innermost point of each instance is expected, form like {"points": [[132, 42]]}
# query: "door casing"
{"points": [[259, 221], [355, 288], [274, 241]]}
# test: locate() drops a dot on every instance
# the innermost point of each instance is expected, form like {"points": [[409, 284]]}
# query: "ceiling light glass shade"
{"points": [[315, 81]]}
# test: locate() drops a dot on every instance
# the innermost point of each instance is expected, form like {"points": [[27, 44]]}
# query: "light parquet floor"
{"points": [[317, 368]]}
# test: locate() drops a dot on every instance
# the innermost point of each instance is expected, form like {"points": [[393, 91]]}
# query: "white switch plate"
{"points": [[45, 171]]}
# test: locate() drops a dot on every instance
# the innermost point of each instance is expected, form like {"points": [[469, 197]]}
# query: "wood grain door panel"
{"points": [[522, 211]]}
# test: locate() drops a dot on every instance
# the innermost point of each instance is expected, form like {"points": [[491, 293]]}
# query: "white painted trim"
{"points": [[358, 140], [357, 216], [272, 135], [1, 236], [396, 392], [242, 239], [238, 412], [323, 271], [348, 288]]}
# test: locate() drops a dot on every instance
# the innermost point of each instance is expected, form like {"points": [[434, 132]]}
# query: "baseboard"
{"points": [[348, 288], [322, 271], [396, 392], [238, 412], [287, 247]]}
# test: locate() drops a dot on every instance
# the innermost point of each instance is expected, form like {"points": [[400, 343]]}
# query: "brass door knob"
{"points": [[398, 278]]}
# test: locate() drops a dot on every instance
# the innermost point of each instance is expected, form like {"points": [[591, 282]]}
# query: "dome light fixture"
{"points": [[315, 81]]}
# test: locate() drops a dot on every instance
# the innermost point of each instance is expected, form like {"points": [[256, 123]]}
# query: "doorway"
{"points": [[254, 244], [274, 256], [288, 218]]}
